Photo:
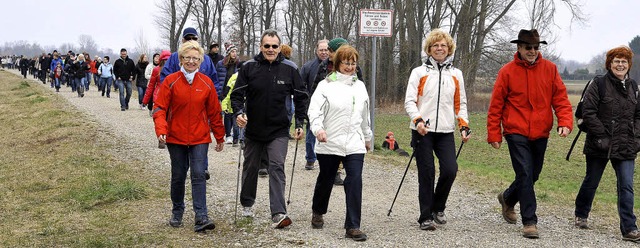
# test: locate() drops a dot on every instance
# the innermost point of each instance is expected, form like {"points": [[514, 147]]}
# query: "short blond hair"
{"points": [[437, 35], [81, 57], [191, 45]]}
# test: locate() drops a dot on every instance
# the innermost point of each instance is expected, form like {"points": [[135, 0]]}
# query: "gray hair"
{"points": [[272, 33]]}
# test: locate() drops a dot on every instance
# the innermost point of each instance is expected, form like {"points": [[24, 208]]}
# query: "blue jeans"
{"points": [[527, 158], [352, 186], [57, 83], [182, 158], [310, 144], [624, 173], [228, 125], [124, 100], [87, 81], [105, 85], [141, 91], [433, 200], [79, 82]]}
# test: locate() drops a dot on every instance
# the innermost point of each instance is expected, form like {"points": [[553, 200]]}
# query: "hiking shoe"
{"points": [[121, 109], [228, 140], [175, 221], [316, 221], [428, 225], [508, 213], [632, 236], [281, 221], [263, 173], [440, 218], [355, 234], [309, 166], [203, 225], [530, 231], [581, 223], [338, 180], [206, 175], [235, 143], [247, 212]]}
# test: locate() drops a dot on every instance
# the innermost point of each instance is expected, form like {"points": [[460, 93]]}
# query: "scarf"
{"points": [[187, 75]]}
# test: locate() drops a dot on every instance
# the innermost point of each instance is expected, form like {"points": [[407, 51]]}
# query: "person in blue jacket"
{"points": [[207, 67]]}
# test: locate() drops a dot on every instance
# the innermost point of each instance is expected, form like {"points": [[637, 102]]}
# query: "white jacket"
{"points": [[340, 106], [436, 93]]}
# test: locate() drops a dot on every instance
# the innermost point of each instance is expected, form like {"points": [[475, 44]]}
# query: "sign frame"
{"points": [[378, 18]]}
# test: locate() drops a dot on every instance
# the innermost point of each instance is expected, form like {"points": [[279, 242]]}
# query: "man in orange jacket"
{"points": [[526, 91]]}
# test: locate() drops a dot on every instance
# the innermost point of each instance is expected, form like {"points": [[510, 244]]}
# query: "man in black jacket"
{"points": [[214, 54], [265, 82], [124, 69]]}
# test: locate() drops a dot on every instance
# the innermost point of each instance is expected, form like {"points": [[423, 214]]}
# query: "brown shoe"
{"points": [[316, 221], [508, 213], [632, 236], [530, 231], [355, 234], [581, 223]]}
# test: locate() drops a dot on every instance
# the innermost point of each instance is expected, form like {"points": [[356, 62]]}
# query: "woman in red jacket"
{"points": [[154, 82], [186, 111]]}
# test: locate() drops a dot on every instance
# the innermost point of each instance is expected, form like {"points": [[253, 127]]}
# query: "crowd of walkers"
{"points": [[252, 103]]}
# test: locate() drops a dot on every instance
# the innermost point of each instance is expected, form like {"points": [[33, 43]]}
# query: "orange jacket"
{"points": [[188, 113], [523, 98]]}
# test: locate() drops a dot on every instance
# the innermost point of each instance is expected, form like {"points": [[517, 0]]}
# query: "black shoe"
{"points": [[338, 180], [175, 221], [428, 225], [309, 166], [316, 221], [121, 109], [206, 175], [203, 225]]}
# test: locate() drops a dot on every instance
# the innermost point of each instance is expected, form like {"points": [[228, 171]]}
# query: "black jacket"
{"points": [[141, 81], [613, 123], [124, 69], [78, 69], [266, 86]]}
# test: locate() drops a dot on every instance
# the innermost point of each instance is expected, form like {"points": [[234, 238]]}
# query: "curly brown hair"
{"points": [[619, 52], [344, 53]]}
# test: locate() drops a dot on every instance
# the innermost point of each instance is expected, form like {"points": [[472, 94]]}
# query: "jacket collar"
{"points": [[521, 62], [433, 64], [344, 78]]}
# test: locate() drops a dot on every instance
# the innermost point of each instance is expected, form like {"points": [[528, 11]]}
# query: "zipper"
{"points": [[438, 102]]}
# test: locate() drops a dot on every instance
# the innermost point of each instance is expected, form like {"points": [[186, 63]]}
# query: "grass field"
{"points": [[61, 187]]}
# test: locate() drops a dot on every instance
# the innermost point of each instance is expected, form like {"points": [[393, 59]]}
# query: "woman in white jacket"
{"points": [[435, 100], [339, 117]]}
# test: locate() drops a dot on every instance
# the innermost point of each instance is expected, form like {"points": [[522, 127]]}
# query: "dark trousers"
{"points": [[182, 158], [624, 173], [527, 157], [444, 147], [352, 186], [275, 152]]}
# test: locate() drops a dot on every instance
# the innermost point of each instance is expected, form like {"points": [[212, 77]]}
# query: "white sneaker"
{"points": [[228, 140], [246, 212]]}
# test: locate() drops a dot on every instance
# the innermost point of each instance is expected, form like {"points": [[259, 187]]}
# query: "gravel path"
{"points": [[474, 218]]}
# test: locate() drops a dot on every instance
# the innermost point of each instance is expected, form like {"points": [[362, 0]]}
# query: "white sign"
{"points": [[376, 22]]}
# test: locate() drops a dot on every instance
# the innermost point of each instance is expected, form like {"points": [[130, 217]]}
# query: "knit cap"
{"points": [[336, 43], [231, 48]]}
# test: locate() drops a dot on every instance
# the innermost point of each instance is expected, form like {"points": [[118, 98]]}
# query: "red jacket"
{"points": [[188, 113], [153, 86], [523, 98]]}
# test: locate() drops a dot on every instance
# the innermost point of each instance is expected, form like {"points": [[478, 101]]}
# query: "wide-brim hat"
{"points": [[529, 37]]}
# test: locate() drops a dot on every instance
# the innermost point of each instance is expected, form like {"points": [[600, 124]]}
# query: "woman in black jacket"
{"points": [[612, 116], [141, 80], [78, 70]]}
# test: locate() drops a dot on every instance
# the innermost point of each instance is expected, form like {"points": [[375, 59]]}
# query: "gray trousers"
{"points": [[276, 151]]}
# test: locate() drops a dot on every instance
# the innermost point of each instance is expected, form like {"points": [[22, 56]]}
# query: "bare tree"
{"points": [[142, 45], [171, 19], [87, 44]]}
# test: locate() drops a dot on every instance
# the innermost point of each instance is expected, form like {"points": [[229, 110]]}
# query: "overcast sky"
{"points": [[115, 23]]}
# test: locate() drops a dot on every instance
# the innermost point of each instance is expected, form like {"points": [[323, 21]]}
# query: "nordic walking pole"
{"points": [[460, 148], [401, 181], [235, 214], [293, 169]]}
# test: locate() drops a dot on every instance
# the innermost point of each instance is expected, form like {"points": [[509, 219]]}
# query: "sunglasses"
{"points": [[532, 47], [267, 46], [191, 37]]}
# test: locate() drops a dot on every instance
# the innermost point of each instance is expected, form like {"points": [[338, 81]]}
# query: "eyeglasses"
{"points": [[267, 46], [191, 37], [620, 62], [349, 64], [189, 59], [532, 47], [439, 46]]}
